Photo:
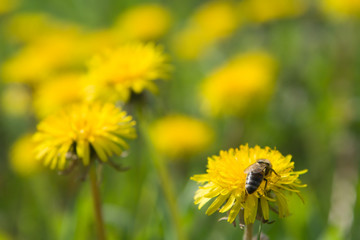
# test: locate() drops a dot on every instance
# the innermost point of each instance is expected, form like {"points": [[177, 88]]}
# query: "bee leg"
{"points": [[275, 172], [246, 195], [266, 181]]}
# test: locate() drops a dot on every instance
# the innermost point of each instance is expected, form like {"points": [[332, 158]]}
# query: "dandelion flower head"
{"points": [[83, 130], [131, 67], [22, 157], [7, 5], [225, 182], [179, 135], [248, 78], [59, 91], [264, 11], [41, 58], [341, 8], [15, 100], [202, 31], [144, 22], [25, 27]]}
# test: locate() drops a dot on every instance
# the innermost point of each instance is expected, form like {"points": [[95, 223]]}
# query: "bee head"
{"points": [[266, 164]]}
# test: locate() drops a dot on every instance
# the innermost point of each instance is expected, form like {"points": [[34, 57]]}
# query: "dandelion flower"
{"points": [[7, 5], [178, 135], [245, 80], [132, 67], [15, 100], [41, 58], [22, 158], [62, 90], [30, 26], [83, 130], [225, 181], [264, 11], [144, 22], [341, 8], [202, 31]]}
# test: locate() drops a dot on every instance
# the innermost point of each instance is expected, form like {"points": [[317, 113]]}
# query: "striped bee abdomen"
{"points": [[253, 181]]}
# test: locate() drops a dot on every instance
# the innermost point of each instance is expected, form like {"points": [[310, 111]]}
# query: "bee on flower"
{"points": [[245, 181]]}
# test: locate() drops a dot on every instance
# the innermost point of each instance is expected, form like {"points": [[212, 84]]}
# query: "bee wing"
{"points": [[255, 168]]}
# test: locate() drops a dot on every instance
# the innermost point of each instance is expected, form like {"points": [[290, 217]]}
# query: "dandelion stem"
{"points": [[248, 232], [97, 203], [165, 180], [169, 195]]}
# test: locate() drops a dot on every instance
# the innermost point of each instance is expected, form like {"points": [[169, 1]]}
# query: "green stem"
{"points": [[97, 203], [260, 230], [166, 181], [248, 232], [169, 195]]}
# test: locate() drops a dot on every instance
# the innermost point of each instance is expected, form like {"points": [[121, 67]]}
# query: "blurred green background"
{"points": [[311, 113]]}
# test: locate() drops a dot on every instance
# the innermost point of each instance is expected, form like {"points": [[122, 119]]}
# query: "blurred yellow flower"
{"points": [[22, 158], [98, 41], [225, 181], [341, 8], [245, 80], [58, 92], [15, 100], [7, 5], [41, 58], [178, 135], [29, 26], [264, 11], [84, 130], [212, 22], [131, 67], [143, 22]]}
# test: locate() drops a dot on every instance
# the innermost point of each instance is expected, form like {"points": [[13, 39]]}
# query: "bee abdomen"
{"points": [[253, 181]]}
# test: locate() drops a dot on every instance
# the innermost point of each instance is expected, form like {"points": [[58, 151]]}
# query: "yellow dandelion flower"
{"points": [[7, 5], [132, 67], [83, 130], [178, 135], [223, 12], [202, 31], [22, 157], [225, 181], [30, 26], [245, 80], [143, 22], [96, 42], [341, 8], [43, 57], [15, 100], [62, 90], [263, 11]]}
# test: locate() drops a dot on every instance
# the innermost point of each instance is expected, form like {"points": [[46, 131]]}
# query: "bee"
{"points": [[256, 173]]}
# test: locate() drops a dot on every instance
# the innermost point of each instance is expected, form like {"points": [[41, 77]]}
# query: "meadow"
{"points": [[119, 119]]}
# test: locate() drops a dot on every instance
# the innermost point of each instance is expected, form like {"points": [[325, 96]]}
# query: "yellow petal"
{"points": [[228, 204], [234, 211], [216, 204], [251, 205], [264, 208]]}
